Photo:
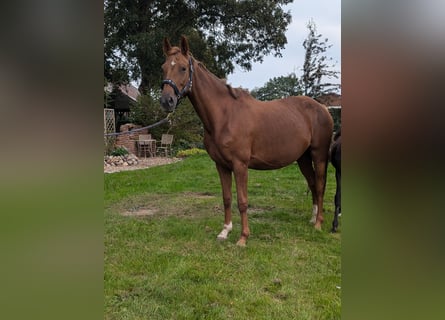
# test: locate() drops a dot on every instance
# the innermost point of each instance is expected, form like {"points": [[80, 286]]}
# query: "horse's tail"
{"points": [[337, 134]]}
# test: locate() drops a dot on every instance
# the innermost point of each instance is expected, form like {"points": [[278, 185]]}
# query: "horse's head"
{"points": [[178, 74]]}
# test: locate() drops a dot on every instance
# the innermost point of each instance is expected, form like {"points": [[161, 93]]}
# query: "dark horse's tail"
{"points": [[337, 135], [335, 157]]}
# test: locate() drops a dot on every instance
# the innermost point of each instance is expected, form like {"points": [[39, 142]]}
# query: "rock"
{"points": [[118, 161]]}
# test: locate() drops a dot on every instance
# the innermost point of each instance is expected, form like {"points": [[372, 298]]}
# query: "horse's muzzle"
{"points": [[168, 102]]}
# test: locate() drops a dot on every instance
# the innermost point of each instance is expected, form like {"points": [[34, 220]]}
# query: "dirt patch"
{"points": [[256, 210], [186, 204], [142, 212], [199, 195]]}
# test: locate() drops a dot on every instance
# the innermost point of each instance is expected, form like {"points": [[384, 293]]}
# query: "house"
{"points": [[333, 102], [121, 98], [330, 99]]}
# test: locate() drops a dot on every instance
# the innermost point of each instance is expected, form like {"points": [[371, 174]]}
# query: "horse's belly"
{"points": [[262, 165], [277, 154], [271, 162]]}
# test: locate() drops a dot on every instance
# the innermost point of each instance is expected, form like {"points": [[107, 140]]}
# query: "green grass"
{"points": [[168, 264]]}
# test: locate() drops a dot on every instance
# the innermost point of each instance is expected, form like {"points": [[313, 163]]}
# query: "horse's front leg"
{"points": [[241, 177], [225, 175]]}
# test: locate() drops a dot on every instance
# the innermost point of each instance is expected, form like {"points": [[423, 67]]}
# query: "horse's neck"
{"points": [[207, 96]]}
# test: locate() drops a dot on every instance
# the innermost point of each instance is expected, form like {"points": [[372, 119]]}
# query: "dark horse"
{"points": [[241, 132], [335, 155]]}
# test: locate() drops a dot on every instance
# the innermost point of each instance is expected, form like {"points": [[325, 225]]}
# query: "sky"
{"points": [[327, 17]]}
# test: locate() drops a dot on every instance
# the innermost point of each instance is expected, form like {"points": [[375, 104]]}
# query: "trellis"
{"points": [[109, 127]]}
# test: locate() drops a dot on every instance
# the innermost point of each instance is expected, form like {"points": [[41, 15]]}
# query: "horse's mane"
{"points": [[237, 92], [234, 92], [173, 50]]}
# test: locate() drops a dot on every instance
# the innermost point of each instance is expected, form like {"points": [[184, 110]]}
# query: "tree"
{"points": [[315, 70], [222, 33], [316, 65], [278, 88]]}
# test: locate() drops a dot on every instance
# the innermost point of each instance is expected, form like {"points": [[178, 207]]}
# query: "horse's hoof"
{"points": [[317, 226], [220, 238], [241, 243]]}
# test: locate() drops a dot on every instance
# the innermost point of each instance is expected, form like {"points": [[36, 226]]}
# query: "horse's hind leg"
{"points": [[305, 165], [320, 166], [225, 176]]}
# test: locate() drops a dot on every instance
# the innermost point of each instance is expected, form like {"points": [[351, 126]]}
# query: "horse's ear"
{"points": [[184, 45], [166, 46]]}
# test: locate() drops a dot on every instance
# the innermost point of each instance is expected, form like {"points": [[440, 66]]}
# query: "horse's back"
{"points": [[308, 106], [316, 116], [282, 130]]}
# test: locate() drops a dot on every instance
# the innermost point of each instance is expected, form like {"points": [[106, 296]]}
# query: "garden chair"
{"points": [[165, 145], [143, 145]]}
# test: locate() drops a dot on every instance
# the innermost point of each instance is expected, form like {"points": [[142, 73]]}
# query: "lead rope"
{"points": [[156, 124]]}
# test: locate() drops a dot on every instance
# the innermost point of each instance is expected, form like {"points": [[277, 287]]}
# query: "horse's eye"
{"points": [[183, 69]]}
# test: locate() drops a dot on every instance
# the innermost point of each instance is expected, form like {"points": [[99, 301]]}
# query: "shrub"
{"points": [[119, 152], [336, 116], [190, 152]]}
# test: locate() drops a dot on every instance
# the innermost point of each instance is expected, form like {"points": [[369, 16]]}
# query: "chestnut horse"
{"points": [[241, 132]]}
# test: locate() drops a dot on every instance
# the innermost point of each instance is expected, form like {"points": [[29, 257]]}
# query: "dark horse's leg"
{"points": [[241, 177], [337, 199], [336, 162], [225, 175], [305, 165]]}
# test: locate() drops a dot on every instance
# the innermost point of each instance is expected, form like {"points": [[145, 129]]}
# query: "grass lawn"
{"points": [[162, 259]]}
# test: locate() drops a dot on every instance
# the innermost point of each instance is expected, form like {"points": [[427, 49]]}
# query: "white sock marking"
{"points": [[225, 231], [314, 213]]}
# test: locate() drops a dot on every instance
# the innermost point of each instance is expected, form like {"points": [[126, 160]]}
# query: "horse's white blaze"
{"points": [[225, 231], [173, 63], [314, 213]]}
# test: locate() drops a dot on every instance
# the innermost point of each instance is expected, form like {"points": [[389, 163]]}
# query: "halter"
{"points": [[188, 87]]}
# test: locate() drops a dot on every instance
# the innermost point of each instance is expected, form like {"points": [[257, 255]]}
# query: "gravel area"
{"points": [[142, 164]]}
